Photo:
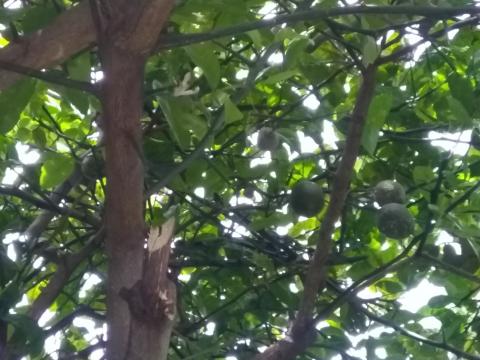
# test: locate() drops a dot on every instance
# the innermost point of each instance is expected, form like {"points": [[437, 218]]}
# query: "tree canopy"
{"points": [[356, 93]]}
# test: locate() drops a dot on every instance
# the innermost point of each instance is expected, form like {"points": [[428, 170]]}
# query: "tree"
{"points": [[130, 158]]}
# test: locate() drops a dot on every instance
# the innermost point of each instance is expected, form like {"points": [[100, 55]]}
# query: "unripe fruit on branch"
{"points": [[395, 221], [389, 191], [307, 198], [268, 139]]}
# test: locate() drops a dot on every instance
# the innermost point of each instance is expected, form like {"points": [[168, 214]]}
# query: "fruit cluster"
{"points": [[393, 220]]}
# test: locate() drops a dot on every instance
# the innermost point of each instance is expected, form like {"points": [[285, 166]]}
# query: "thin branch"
{"points": [[61, 277], [408, 49], [302, 333], [316, 274], [50, 206], [417, 337], [437, 12], [50, 78]]}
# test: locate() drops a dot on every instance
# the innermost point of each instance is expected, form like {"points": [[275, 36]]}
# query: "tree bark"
{"points": [[140, 298], [122, 103]]}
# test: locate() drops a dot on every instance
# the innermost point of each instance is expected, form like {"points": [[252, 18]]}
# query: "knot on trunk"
{"points": [[149, 305]]}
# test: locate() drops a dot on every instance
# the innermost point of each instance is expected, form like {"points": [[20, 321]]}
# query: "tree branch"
{"points": [[417, 337], [70, 33], [437, 12], [302, 333], [65, 268]]}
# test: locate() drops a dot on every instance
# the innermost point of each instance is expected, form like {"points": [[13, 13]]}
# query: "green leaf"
{"points": [[56, 169], [370, 51], [27, 335], [13, 101], [377, 113], [295, 50], [37, 17], [423, 174], [279, 77], [232, 113], [181, 118], [462, 90], [458, 114], [203, 55]]}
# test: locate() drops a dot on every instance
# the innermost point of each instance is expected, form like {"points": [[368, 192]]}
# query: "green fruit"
{"points": [[91, 167], [475, 139], [249, 191], [450, 256], [268, 139], [389, 191], [395, 221], [307, 198]]}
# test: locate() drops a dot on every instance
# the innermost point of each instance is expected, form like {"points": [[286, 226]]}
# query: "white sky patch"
{"points": [[200, 192], [276, 58], [307, 144], [452, 33], [264, 159], [45, 318], [11, 175], [367, 294], [24, 302], [37, 264], [458, 142], [97, 76], [381, 353], [11, 252], [13, 4], [93, 331], [293, 288], [52, 344], [184, 277], [328, 135], [267, 11], [97, 355], [431, 323], [10, 238], [210, 328], [416, 298], [443, 238], [241, 74], [26, 155], [283, 230], [311, 102], [91, 280]]}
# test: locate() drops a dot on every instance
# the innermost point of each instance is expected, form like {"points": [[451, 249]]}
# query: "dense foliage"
{"points": [[240, 252]]}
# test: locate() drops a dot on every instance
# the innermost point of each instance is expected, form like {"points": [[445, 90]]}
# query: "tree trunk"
{"points": [[122, 108]]}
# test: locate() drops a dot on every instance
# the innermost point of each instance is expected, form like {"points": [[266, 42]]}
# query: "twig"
{"points": [[50, 78], [437, 12]]}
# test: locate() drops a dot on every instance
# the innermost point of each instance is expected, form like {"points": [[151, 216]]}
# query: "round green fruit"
{"points": [[268, 139], [249, 191], [91, 167], [395, 221], [389, 191], [475, 138], [307, 198]]}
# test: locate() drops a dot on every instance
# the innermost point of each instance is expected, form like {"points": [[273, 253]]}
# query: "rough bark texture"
{"points": [[122, 104], [124, 44], [67, 35]]}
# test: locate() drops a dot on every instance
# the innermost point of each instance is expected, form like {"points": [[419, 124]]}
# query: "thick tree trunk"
{"points": [[122, 109], [140, 297]]}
